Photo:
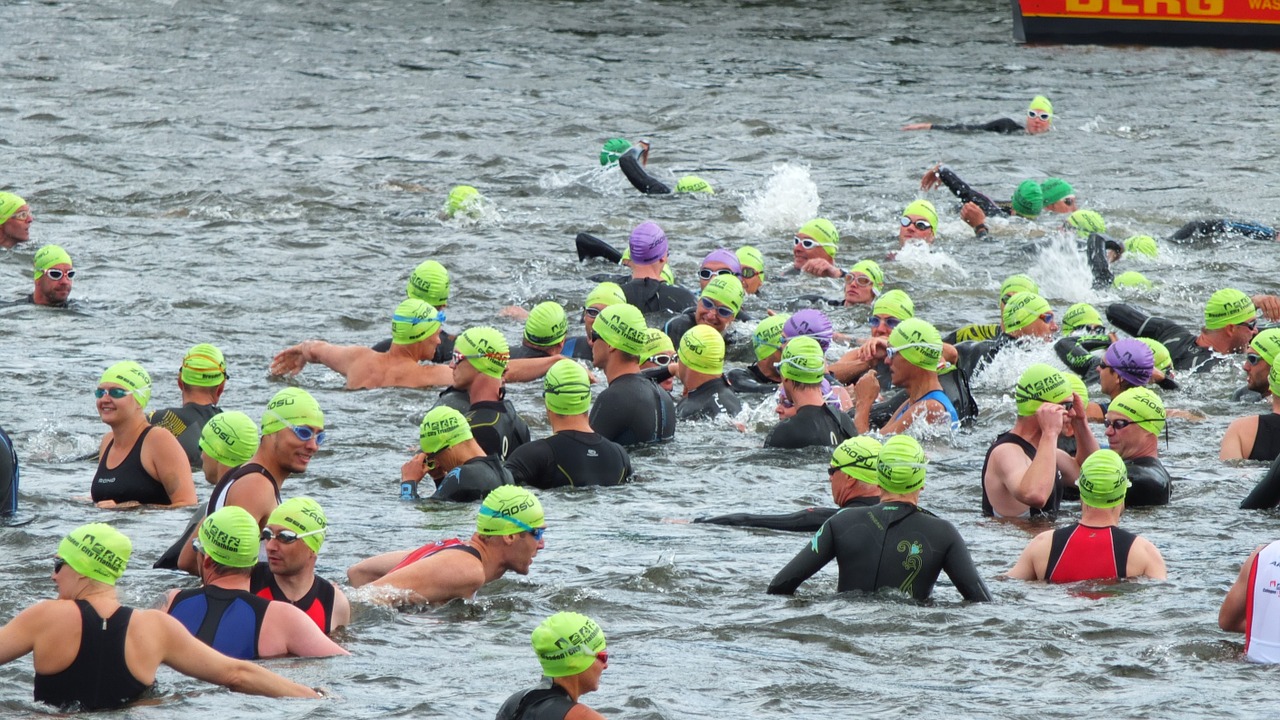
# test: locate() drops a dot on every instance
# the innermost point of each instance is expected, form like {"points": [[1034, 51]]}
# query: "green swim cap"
{"points": [[230, 437], [1267, 344], [1104, 479], [612, 150], [925, 209], [303, 516], [1028, 200], [659, 343], [1055, 189], [871, 270], [822, 231], [1077, 386], [1040, 384], [606, 294], [702, 350], [566, 388], [749, 257], [547, 325], [486, 350], [132, 377], [9, 204], [1163, 360], [894, 303], [442, 427], [203, 366], [1041, 104], [1015, 284], [1022, 309], [429, 282], [1143, 407], [48, 256], [291, 406], [1132, 279], [767, 338], [900, 468], [1080, 315], [566, 644], [230, 537], [463, 199], [623, 328], [802, 361], [667, 276], [1086, 222], [1228, 307], [414, 321], [918, 342], [1273, 380], [509, 510], [1142, 245], [727, 290], [857, 457], [96, 551], [694, 184]]}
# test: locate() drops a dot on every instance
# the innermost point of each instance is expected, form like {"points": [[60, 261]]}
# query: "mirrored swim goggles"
{"points": [[919, 224]]}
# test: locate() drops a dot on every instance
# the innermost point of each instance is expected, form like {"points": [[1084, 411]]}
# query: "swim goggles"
{"points": [[287, 537], [1041, 115], [56, 274], [115, 393], [414, 320], [920, 224], [302, 432], [721, 310], [536, 532], [859, 279], [875, 320], [708, 273], [809, 243]]}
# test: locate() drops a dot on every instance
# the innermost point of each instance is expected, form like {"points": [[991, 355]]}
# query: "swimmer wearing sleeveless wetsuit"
{"points": [[129, 481], [317, 603]]}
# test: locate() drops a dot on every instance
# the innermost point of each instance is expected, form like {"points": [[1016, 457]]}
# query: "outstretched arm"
{"points": [[820, 550], [181, 651], [338, 358]]}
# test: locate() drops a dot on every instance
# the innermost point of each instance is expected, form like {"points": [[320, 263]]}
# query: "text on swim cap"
{"points": [[223, 539], [89, 546]]}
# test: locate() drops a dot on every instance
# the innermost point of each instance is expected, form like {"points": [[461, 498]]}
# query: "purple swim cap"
{"points": [[1132, 360], [724, 257], [648, 243], [813, 323]]}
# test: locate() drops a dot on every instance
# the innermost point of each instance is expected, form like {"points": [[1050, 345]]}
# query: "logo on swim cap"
{"points": [[894, 303], [726, 290], [749, 257], [872, 271], [767, 338], [229, 537], [1143, 407], [924, 209], [304, 516], [702, 350], [413, 321], [485, 349], [623, 328], [442, 427], [1055, 189], [811, 322], [802, 361], [659, 343], [567, 643], [1028, 200], [131, 376], [9, 205], [694, 184], [648, 244], [858, 457], [293, 406], [229, 437], [900, 468], [97, 551], [1015, 284], [47, 257], [1104, 479], [1040, 384], [1228, 307], [547, 325], [1080, 315], [203, 366], [1087, 222], [1132, 360], [1022, 309], [918, 342], [1267, 345], [509, 510], [605, 294], [822, 231], [429, 282]]}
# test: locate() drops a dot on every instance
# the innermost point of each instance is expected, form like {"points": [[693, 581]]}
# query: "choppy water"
{"points": [[258, 174]]}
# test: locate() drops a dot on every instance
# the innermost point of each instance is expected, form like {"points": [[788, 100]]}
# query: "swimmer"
{"points": [[1256, 437], [464, 201], [809, 420], [1027, 201], [1230, 322], [1134, 421], [863, 283], [1026, 317], [1058, 196], [762, 376], [601, 296], [139, 464], [1011, 286], [1249, 604], [701, 372], [53, 277], [919, 223], [1095, 548], [633, 410], [93, 653], [893, 545], [429, 282], [574, 455], [452, 457], [224, 615], [1263, 350], [9, 476], [289, 573], [752, 262], [1024, 472], [201, 380], [813, 248], [15, 220], [889, 310], [657, 358], [545, 331], [1039, 120], [480, 361], [635, 159], [1218, 229], [718, 262], [509, 530], [719, 304], [572, 651], [913, 354], [646, 290]]}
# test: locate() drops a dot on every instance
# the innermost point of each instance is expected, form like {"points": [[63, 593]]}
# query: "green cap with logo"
{"points": [[694, 184], [1040, 384], [1163, 360], [659, 344], [566, 644], [1104, 479], [726, 290], [1055, 189], [1228, 307], [48, 256], [229, 437], [803, 361], [230, 537], [1080, 315], [414, 321], [924, 209], [918, 342], [606, 294], [97, 551], [9, 205], [1015, 284], [1143, 407], [1087, 222], [509, 510], [1023, 309], [304, 516], [749, 257], [1267, 344], [203, 366], [767, 338], [291, 406], [486, 350], [822, 231], [702, 350], [566, 388], [900, 468], [1142, 245], [623, 328], [1273, 380], [872, 270], [1028, 199], [131, 376], [429, 282], [547, 325], [895, 303], [442, 427], [858, 457], [1077, 386]]}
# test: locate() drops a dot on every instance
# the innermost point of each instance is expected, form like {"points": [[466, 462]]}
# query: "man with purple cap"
{"points": [[645, 289], [1127, 363]]}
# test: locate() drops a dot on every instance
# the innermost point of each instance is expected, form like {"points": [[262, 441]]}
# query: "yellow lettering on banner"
{"points": [[1152, 7], [1205, 7], [1120, 7], [1084, 6]]}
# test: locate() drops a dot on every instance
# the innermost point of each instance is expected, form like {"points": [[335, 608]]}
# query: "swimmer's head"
{"points": [[1023, 309], [1028, 199], [1040, 384], [1162, 359], [895, 303], [803, 361], [230, 437], [752, 262], [1132, 360], [605, 294], [1086, 222], [900, 469], [1142, 245], [305, 517], [659, 343], [486, 350], [292, 406], [442, 428], [132, 377], [694, 184], [463, 200], [1228, 307], [857, 457], [203, 366], [726, 290], [1080, 315], [918, 342], [823, 232], [1015, 284], [567, 644], [921, 210], [648, 244], [722, 259], [230, 537], [872, 270], [96, 551], [430, 283], [1104, 479], [623, 328], [1267, 345], [1131, 280], [767, 337], [811, 322], [1077, 386], [1054, 190], [10, 204], [612, 150], [413, 321], [702, 350], [1039, 115], [547, 325], [1143, 407], [47, 257], [566, 389], [509, 510]]}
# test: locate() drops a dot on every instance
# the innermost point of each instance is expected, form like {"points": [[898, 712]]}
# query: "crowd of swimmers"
{"points": [[253, 546]]}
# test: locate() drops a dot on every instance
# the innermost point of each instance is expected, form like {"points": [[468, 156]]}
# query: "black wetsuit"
{"points": [[98, 678], [570, 458], [709, 400], [524, 352], [634, 410], [1180, 341], [1152, 484], [1216, 229], [891, 545], [972, 356], [975, 332], [639, 178], [1266, 494], [1004, 126], [472, 480], [1096, 248], [1050, 507], [654, 296], [749, 379], [129, 480], [228, 621], [497, 427], [459, 400], [547, 701], [812, 425], [217, 498], [9, 476], [186, 424], [806, 520], [444, 351], [577, 348], [1266, 443], [1083, 552], [317, 603], [1080, 354], [962, 190]]}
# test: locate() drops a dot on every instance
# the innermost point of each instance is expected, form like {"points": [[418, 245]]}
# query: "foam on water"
{"points": [[788, 200]]}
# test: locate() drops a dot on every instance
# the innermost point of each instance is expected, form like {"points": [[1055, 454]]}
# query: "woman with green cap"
{"points": [[572, 651]]}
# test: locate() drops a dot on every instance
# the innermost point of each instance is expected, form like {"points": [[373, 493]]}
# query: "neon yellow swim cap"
{"points": [[1273, 380], [1080, 315], [509, 510], [414, 321], [547, 324], [894, 303], [429, 282], [1041, 103], [857, 457], [871, 270], [918, 342], [1022, 309], [131, 376], [623, 328], [822, 231], [230, 537], [1228, 307], [566, 388], [291, 406], [465, 200], [486, 350], [1142, 245], [230, 437], [1163, 360], [9, 205], [442, 427], [1267, 344], [1132, 279], [1143, 407], [1077, 386], [803, 361], [727, 290], [606, 294], [924, 209], [749, 257], [694, 184], [659, 343], [96, 551], [900, 468], [48, 256], [203, 366], [767, 338], [304, 516], [567, 643], [1040, 384], [1104, 479], [1015, 284], [1086, 222], [702, 350]]}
